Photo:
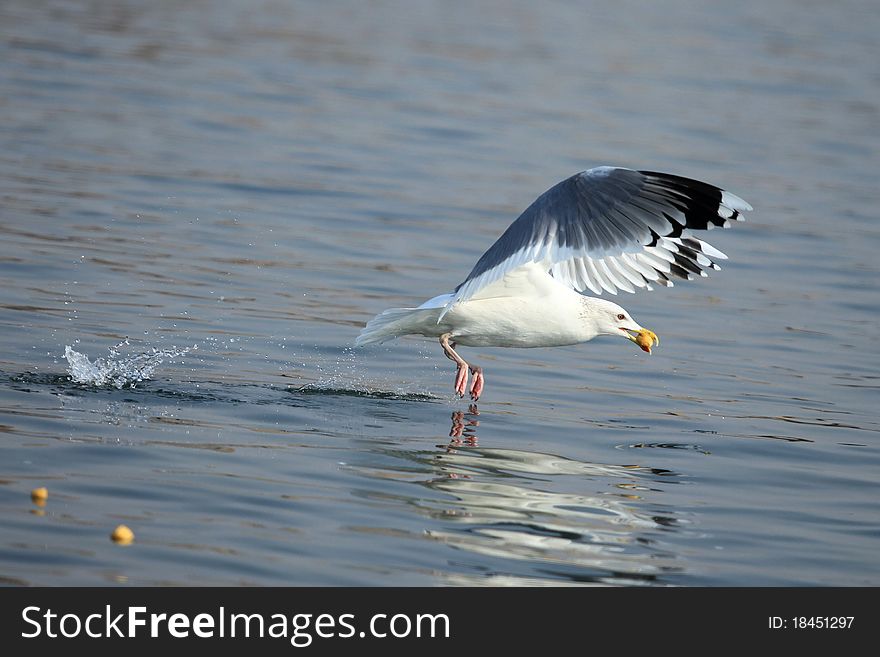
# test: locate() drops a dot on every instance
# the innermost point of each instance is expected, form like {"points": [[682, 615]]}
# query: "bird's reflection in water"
{"points": [[543, 518], [464, 427]]}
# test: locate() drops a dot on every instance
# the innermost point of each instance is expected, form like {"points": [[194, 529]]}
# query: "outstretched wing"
{"points": [[611, 228]]}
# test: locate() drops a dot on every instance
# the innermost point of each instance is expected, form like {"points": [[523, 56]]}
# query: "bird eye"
{"points": [[621, 316]]}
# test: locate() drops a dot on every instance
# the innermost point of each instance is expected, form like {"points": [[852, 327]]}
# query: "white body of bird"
{"points": [[526, 308]]}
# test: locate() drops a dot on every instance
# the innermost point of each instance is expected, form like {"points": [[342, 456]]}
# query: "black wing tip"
{"points": [[704, 205]]}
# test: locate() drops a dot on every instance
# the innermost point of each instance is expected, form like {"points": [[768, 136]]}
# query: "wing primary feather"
{"points": [[585, 275], [631, 277], [596, 276], [612, 276]]}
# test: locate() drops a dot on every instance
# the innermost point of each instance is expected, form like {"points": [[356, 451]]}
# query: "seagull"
{"points": [[601, 230]]}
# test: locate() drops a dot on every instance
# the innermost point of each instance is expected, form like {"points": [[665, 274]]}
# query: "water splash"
{"points": [[321, 388], [341, 375], [117, 370]]}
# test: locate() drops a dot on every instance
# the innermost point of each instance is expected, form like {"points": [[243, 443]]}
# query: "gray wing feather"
{"points": [[611, 228]]}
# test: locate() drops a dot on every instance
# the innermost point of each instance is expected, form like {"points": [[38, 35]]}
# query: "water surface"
{"points": [[238, 186]]}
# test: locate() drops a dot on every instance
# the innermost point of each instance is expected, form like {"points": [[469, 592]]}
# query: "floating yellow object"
{"points": [[122, 535], [39, 496], [647, 339]]}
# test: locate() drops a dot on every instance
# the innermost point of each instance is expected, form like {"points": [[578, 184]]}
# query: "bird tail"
{"points": [[395, 322], [391, 324]]}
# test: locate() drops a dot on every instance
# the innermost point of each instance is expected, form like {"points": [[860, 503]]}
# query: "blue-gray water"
{"points": [[252, 181]]}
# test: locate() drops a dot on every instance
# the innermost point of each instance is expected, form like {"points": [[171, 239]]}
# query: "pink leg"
{"points": [[479, 382], [462, 369], [461, 372]]}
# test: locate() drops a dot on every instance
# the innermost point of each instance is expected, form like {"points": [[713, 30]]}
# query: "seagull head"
{"points": [[611, 319]]}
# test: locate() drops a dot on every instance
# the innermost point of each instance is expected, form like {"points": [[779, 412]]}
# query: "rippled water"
{"points": [[234, 188]]}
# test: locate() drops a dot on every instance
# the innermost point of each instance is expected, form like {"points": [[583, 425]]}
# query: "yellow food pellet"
{"points": [[122, 535], [39, 496], [646, 339]]}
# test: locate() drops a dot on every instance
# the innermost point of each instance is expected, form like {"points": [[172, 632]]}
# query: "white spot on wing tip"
{"points": [[734, 202], [711, 251]]}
